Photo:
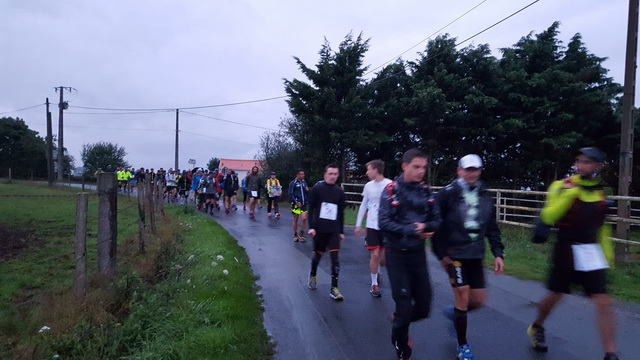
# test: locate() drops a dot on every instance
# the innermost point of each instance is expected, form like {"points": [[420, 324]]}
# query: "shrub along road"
{"points": [[307, 324]]}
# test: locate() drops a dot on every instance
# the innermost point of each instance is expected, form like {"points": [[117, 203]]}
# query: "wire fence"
{"points": [[522, 208]]}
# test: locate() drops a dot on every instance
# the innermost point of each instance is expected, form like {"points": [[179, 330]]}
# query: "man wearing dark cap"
{"points": [[577, 207], [468, 217]]}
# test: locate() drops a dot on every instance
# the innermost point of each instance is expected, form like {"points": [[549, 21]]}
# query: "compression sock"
{"points": [[460, 323], [335, 268], [314, 263]]}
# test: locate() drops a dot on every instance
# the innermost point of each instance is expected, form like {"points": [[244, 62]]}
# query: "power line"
{"points": [[465, 40], [27, 108], [185, 108], [119, 113], [217, 138], [480, 32], [425, 39], [229, 121]]}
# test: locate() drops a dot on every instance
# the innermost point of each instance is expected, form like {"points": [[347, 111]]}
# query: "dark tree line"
{"points": [[24, 151], [525, 113]]}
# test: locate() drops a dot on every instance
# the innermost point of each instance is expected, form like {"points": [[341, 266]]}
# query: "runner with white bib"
{"points": [[583, 250], [326, 226]]}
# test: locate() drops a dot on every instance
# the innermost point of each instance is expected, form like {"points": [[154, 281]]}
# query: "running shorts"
{"points": [[322, 241], [299, 210], [465, 272], [563, 275], [210, 196], [374, 239]]}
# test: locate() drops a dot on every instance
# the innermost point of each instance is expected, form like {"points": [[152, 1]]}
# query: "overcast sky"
{"points": [[152, 54]]}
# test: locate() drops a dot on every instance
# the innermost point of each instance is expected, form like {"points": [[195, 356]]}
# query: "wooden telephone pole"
{"points": [[626, 135]]}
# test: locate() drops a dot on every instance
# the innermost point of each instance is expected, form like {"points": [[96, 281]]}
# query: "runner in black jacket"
{"points": [[468, 216], [326, 226], [408, 216]]}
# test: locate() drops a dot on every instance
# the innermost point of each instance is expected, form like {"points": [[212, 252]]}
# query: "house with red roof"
{"points": [[239, 166]]}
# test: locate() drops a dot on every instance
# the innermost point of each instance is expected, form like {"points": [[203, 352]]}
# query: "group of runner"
{"points": [[401, 215]]}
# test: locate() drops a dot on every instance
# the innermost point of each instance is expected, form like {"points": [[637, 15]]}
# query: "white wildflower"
{"points": [[220, 257], [214, 263], [43, 329], [191, 257], [188, 281], [225, 271]]}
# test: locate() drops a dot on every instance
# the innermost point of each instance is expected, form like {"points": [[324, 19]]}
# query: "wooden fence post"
{"points": [[150, 206], [141, 216], [80, 282], [107, 224]]}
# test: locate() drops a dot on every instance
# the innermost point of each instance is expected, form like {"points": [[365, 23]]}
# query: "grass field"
{"points": [[174, 302]]}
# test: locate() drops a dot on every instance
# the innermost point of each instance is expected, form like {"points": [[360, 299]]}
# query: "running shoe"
{"points": [[301, 237], [611, 357], [227, 211], [335, 294], [269, 215], [277, 215], [404, 354], [463, 352], [313, 282], [448, 312], [536, 335], [375, 291], [252, 216], [296, 238]]}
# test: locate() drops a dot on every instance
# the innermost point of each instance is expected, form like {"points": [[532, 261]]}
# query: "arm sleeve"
{"points": [[437, 241], [290, 193], [558, 202], [341, 207], [312, 208], [388, 214], [363, 207]]}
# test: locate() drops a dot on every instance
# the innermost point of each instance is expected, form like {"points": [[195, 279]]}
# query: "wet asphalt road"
{"points": [[308, 324]]}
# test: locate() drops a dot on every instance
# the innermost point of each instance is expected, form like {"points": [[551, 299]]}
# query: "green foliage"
{"points": [[21, 149], [213, 163], [282, 155], [188, 309], [329, 117], [103, 156], [525, 114]]}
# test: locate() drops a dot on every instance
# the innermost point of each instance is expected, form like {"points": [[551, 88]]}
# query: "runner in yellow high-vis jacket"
{"points": [[577, 207]]}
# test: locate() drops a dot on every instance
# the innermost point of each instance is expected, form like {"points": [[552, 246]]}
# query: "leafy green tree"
{"points": [[330, 120], [453, 105], [560, 100], [103, 156], [282, 155], [21, 149], [213, 163]]}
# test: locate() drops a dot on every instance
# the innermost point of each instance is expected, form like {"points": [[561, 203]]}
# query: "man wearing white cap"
{"points": [[468, 216]]}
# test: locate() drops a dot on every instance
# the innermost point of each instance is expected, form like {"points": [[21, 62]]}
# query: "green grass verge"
{"points": [[171, 303]]}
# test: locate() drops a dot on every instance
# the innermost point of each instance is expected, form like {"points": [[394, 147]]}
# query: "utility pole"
{"points": [[177, 130], [61, 107], [49, 150], [626, 135]]}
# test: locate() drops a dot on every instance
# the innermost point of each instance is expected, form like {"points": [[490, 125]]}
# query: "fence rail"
{"points": [[522, 207]]}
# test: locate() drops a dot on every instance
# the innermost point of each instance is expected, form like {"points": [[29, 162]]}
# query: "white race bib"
{"points": [[328, 211], [588, 257], [254, 194]]}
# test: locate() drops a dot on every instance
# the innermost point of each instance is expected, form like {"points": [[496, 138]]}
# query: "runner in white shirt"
{"points": [[370, 205]]}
